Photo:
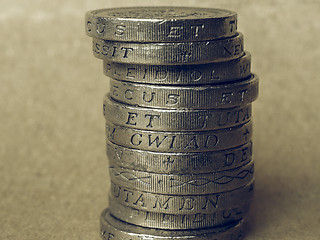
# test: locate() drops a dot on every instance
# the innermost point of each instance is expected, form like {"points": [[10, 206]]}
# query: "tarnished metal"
{"points": [[181, 204], [176, 53], [187, 97], [204, 141], [177, 221], [196, 74], [179, 163], [160, 24], [178, 122], [183, 184], [156, 119], [112, 228]]}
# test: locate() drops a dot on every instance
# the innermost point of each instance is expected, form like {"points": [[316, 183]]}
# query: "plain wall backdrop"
{"points": [[53, 168]]}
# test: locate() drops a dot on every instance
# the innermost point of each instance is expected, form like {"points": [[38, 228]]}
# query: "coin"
{"points": [[183, 184], [178, 122], [160, 24], [205, 141], [175, 221], [114, 229], [181, 204], [197, 74], [179, 163], [176, 53], [173, 119], [188, 97]]}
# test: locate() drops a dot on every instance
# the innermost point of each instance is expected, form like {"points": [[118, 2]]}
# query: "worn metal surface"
{"points": [[187, 97], [175, 53], [196, 74], [179, 163], [181, 204], [160, 24], [116, 229]]}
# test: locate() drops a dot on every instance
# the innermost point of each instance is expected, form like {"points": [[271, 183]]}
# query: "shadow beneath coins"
{"points": [[270, 198]]}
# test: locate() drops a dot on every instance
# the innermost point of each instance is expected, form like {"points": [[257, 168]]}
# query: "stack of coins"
{"points": [[178, 122]]}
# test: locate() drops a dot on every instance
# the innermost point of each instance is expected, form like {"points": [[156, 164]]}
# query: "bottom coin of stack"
{"points": [[112, 228]]}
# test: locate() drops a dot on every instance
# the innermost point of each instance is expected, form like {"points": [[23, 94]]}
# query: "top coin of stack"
{"points": [[161, 24], [178, 121]]}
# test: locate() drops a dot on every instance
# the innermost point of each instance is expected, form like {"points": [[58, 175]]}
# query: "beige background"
{"points": [[53, 169]]}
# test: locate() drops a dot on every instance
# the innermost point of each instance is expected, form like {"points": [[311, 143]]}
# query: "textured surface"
{"points": [[53, 169]]}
